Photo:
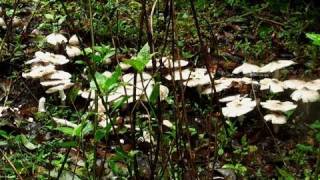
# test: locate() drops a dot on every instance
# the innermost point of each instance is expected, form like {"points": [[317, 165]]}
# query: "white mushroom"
{"points": [[313, 85], [274, 85], [124, 66], [238, 107], [41, 105], [246, 68], [294, 84], [230, 98], [305, 95], [55, 82], [276, 120], [185, 74], [60, 89], [3, 23], [164, 92], [64, 122], [276, 65], [62, 75], [47, 57], [168, 63], [167, 123], [56, 38], [276, 105], [3, 109], [39, 71], [74, 41], [73, 51]]}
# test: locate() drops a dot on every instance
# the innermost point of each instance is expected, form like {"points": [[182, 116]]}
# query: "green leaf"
{"points": [[285, 174], [155, 93], [65, 130], [304, 148], [106, 84], [4, 134], [141, 60], [314, 37], [66, 144], [27, 143], [315, 125], [101, 133]]}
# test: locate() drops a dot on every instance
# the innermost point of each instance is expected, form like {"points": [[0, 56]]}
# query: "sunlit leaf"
{"points": [[314, 37], [141, 60]]}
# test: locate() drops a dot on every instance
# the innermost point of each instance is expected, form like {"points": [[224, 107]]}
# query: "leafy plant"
{"points": [[141, 60], [315, 38]]}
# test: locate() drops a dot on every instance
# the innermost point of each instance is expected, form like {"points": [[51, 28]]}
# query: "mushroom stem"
{"points": [[62, 96], [276, 128]]}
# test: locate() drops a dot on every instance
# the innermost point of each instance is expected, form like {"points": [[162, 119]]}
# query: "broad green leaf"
{"points": [[65, 130], [314, 37], [106, 84], [27, 143], [141, 60]]}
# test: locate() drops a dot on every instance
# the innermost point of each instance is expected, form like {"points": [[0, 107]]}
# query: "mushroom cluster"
{"points": [[72, 48], [43, 67]]}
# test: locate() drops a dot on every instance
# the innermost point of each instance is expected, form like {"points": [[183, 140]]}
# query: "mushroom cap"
{"points": [[274, 85], [220, 85], [58, 75], [55, 82], [198, 77], [56, 38], [246, 68], [305, 94], [149, 65], [275, 118], [74, 41], [124, 66], [168, 62], [313, 85], [129, 78], [39, 71], [59, 88], [185, 74], [230, 98], [238, 107], [276, 105], [107, 74], [276, 65], [294, 84], [85, 94], [47, 57], [3, 23], [245, 80], [73, 51], [167, 123], [164, 92]]}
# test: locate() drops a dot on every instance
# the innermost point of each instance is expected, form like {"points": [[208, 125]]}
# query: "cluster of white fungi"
{"points": [[44, 67]]}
